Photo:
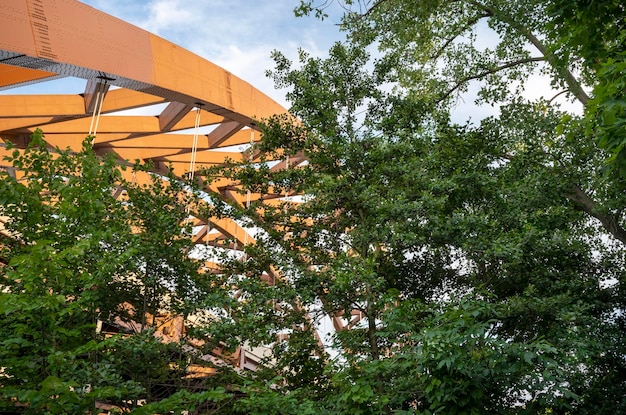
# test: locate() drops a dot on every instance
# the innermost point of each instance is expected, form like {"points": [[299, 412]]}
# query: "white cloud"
{"points": [[238, 35], [166, 14]]}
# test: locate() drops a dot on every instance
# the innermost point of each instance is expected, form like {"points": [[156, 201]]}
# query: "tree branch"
{"points": [[371, 9], [566, 75], [590, 206], [489, 72], [469, 24], [584, 202]]}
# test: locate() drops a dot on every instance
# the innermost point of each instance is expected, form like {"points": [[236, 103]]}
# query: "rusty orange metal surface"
{"points": [[143, 90], [81, 37]]}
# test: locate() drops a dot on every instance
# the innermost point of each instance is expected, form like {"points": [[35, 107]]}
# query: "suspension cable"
{"points": [[248, 193], [286, 170], [194, 146], [192, 160], [95, 116]]}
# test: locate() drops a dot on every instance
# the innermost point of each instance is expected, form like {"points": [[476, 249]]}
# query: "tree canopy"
{"points": [[93, 265], [416, 263], [469, 266]]}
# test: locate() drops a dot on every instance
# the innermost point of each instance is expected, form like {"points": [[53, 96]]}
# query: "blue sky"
{"points": [[238, 35]]}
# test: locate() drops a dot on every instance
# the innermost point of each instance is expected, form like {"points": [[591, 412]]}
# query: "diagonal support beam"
{"points": [[223, 132], [172, 114], [94, 90]]}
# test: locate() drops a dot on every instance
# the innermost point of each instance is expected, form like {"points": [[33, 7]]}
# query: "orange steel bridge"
{"points": [[142, 97]]}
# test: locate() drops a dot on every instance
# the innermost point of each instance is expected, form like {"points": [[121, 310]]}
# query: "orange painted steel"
{"points": [[44, 40], [66, 37], [150, 89]]}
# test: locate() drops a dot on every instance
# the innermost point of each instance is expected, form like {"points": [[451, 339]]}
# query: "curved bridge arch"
{"points": [[128, 73], [145, 90]]}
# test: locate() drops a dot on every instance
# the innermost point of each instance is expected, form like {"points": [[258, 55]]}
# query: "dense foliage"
{"points": [[87, 253], [466, 266], [478, 265]]}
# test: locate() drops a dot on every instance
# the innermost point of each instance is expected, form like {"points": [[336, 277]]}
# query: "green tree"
{"points": [[594, 34], [83, 248], [479, 266]]}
